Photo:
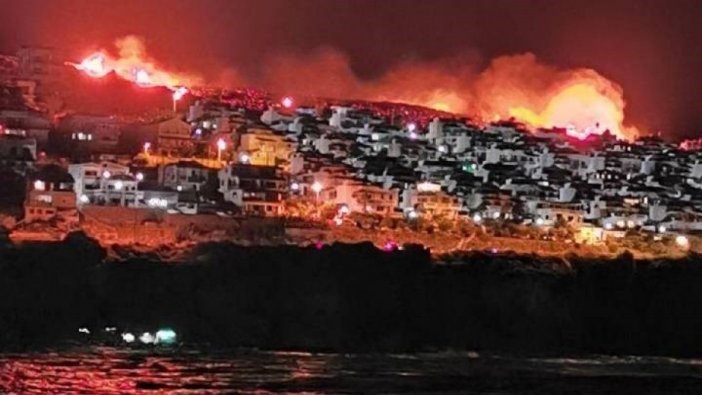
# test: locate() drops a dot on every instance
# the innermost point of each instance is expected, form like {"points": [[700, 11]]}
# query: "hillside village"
{"points": [[350, 171]]}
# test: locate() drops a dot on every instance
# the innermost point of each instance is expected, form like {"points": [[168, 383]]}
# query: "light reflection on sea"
{"points": [[107, 370]]}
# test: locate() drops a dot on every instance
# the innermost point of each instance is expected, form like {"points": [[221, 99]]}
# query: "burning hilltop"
{"points": [[133, 64], [519, 87]]}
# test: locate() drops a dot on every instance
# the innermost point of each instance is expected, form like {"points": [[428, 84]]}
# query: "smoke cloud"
{"points": [[515, 86]]}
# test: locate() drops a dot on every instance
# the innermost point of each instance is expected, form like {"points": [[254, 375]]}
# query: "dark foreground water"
{"points": [[106, 370]]}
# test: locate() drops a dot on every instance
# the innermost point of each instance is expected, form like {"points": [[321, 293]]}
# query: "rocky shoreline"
{"points": [[353, 297]]}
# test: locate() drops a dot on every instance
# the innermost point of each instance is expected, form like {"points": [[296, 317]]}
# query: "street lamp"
{"points": [[177, 95], [221, 145], [139, 178], [317, 188], [147, 146]]}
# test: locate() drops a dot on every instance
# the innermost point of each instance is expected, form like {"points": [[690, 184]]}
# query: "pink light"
{"points": [[287, 102], [390, 246]]}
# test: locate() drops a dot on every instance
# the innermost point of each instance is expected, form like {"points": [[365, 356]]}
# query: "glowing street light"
{"points": [[177, 95], [682, 241], [317, 188], [221, 145], [147, 147], [140, 176], [118, 185], [244, 158], [106, 174]]}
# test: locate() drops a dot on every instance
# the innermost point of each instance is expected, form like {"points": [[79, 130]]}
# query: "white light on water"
{"points": [[147, 338], [165, 336]]}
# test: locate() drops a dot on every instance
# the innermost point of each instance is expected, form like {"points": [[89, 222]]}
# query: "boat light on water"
{"points": [[165, 336], [147, 338]]}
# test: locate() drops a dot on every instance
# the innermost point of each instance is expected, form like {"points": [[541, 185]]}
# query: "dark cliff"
{"points": [[355, 298]]}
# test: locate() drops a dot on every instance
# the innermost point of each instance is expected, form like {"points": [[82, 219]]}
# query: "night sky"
{"points": [[653, 49]]}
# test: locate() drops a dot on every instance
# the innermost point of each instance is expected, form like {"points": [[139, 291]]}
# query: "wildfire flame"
{"points": [[582, 108], [579, 100], [133, 64], [94, 65], [516, 86], [142, 77]]}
